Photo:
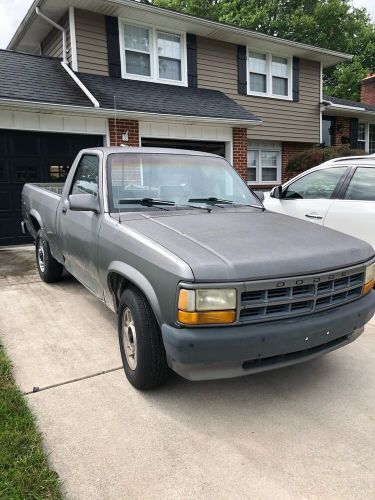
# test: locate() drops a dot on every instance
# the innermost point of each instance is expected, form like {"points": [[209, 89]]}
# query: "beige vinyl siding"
{"points": [[282, 120], [91, 40], [52, 44]]}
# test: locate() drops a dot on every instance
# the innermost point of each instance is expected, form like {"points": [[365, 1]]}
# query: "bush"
{"points": [[315, 156]]}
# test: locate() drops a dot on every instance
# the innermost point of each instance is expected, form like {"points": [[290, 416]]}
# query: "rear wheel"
{"points": [[49, 269], [141, 344]]}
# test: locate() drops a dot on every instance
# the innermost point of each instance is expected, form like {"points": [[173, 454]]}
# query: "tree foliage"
{"points": [[330, 24]]}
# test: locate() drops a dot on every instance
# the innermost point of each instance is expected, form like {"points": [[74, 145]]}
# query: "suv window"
{"points": [[362, 185], [86, 178], [317, 185]]}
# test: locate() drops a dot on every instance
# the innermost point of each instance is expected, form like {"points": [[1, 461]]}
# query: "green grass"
{"points": [[24, 470]]}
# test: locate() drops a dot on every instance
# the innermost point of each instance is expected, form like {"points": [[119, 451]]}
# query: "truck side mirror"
{"points": [[84, 203], [276, 192]]}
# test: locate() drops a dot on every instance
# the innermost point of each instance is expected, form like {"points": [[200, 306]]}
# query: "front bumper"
{"points": [[224, 352]]}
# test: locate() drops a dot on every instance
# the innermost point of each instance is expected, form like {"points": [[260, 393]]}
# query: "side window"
{"points": [[362, 185], [86, 179], [317, 185]]}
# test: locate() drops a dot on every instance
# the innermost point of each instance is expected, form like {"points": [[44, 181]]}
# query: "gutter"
{"points": [[81, 85], [330, 104], [108, 113]]}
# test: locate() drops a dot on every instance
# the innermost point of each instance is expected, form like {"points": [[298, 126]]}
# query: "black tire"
{"points": [[150, 369], [49, 269]]}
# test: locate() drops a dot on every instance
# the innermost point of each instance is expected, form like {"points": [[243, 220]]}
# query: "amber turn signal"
{"points": [[368, 287], [206, 317]]}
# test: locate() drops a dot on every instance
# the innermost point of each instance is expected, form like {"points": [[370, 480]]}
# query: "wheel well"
{"points": [[35, 224], [117, 284]]}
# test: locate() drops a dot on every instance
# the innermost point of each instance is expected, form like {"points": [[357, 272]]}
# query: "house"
{"points": [[81, 73], [345, 121]]}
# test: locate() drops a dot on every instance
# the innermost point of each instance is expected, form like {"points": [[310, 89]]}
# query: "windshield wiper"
{"points": [[146, 202], [218, 201]]}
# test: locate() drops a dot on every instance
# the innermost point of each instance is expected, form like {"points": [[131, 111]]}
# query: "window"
{"points": [[86, 178], [150, 54], [362, 185], [371, 148], [327, 131], [264, 163], [362, 135], [317, 185], [269, 75]]}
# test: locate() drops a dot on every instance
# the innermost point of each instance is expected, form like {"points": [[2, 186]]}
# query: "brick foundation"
{"points": [[240, 151], [119, 127]]}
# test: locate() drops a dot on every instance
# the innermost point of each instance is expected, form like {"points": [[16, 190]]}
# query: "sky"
{"points": [[12, 12]]}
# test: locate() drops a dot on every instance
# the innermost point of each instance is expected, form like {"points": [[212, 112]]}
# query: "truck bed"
{"points": [[53, 187]]}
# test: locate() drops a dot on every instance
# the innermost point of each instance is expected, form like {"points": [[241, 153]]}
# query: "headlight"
{"points": [[207, 305], [369, 278]]}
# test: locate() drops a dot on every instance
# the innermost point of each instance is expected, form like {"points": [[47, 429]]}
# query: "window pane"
{"points": [[258, 83], [361, 132], [279, 66], [269, 174], [257, 62], [269, 158], [318, 184], [137, 38], [169, 68], [371, 139], [279, 86], [253, 158], [169, 45], [87, 176], [362, 186], [252, 174], [138, 63]]}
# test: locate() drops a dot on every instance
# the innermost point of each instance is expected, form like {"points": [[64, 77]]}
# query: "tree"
{"points": [[330, 24]]}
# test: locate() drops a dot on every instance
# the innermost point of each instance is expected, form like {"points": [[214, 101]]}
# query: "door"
{"points": [[32, 157], [354, 214], [79, 231], [310, 196]]}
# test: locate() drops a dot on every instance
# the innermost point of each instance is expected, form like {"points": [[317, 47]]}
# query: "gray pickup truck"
{"points": [[204, 280]]}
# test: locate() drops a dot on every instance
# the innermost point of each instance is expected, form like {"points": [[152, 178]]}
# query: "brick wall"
{"points": [[343, 123], [119, 127], [240, 151], [368, 89], [289, 150]]}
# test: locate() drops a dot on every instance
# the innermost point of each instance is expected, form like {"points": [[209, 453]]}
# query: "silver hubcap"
{"points": [[41, 258], [130, 338]]}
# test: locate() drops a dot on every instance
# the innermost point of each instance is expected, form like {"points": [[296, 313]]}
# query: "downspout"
{"points": [[64, 62], [58, 27]]}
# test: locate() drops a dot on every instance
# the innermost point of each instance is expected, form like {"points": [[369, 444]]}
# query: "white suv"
{"points": [[339, 194]]}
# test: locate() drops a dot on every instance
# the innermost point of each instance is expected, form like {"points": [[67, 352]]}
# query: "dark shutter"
{"points": [[191, 46], [353, 133], [113, 46], [242, 76], [295, 79]]}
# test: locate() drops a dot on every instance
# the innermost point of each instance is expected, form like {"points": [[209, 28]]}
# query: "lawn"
{"points": [[24, 470]]}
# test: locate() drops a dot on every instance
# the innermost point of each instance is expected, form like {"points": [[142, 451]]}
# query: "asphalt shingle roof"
{"points": [[35, 78], [133, 95], [346, 102], [27, 77]]}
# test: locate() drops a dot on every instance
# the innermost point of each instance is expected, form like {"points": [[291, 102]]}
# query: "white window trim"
{"points": [[259, 167], [154, 63], [269, 93]]}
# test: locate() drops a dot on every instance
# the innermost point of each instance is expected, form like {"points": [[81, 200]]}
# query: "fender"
{"points": [[139, 281], [34, 213]]}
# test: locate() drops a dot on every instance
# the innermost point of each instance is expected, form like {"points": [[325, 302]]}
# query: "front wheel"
{"points": [[49, 269], [141, 344]]}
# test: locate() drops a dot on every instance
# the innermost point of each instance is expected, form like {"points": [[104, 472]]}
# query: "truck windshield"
{"points": [[182, 180]]}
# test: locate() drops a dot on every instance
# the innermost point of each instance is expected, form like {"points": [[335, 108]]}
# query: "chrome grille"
{"points": [[293, 297]]}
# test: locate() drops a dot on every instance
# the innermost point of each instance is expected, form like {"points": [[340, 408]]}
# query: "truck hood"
{"points": [[247, 244]]}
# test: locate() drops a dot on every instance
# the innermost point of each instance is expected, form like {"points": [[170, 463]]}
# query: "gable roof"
{"points": [[32, 29], [27, 77], [159, 98]]}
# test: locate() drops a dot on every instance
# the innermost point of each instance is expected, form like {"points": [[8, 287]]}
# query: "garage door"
{"points": [[32, 157], [217, 148]]}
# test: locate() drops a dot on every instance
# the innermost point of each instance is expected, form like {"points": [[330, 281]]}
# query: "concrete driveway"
{"points": [[303, 432]]}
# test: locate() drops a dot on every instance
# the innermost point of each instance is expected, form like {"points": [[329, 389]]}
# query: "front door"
{"points": [[79, 231]]}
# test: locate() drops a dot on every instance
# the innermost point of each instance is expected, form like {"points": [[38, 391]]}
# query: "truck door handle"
{"points": [[64, 210], [314, 216]]}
